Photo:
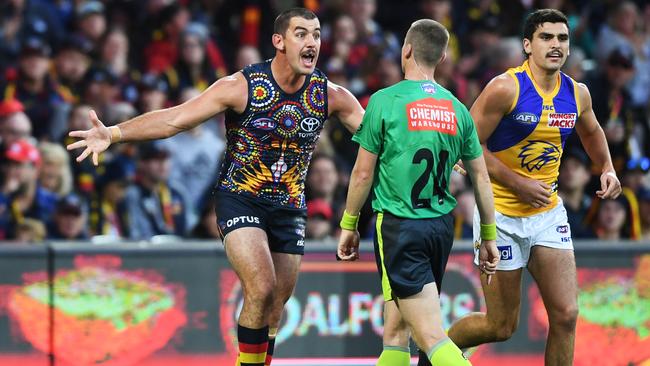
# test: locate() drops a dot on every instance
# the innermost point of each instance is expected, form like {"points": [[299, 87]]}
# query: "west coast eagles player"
{"points": [[523, 117]]}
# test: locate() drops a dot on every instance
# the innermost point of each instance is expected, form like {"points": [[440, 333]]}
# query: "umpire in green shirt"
{"points": [[411, 135]]}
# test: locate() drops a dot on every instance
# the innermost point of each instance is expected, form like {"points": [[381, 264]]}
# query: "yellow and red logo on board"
{"points": [[562, 120], [432, 114]]}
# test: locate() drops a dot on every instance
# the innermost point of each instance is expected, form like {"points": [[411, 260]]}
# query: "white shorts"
{"points": [[517, 235]]}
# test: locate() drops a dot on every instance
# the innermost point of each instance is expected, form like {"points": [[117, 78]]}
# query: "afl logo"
{"points": [[266, 124], [526, 117], [309, 124]]}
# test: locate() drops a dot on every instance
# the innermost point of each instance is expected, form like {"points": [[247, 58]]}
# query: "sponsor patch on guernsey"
{"points": [[432, 115], [562, 120]]}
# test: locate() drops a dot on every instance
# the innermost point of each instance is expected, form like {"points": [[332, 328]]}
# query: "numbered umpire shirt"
{"points": [[419, 130]]}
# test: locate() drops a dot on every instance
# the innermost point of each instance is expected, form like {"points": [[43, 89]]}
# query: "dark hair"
{"points": [[541, 16], [429, 40], [282, 21]]}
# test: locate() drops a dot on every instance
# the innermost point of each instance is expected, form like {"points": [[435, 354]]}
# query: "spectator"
{"points": [[153, 93], [464, 214], [634, 173], [108, 214], [154, 207], [71, 64], [612, 106], [572, 187], [30, 231], [114, 56], [193, 68], [624, 32], [246, 55], [610, 219], [69, 219], [162, 52], [194, 159], [207, 227], [114, 53], [21, 19], [574, 65], [21, 194], [84, 173], [643, 196], [101, 91], [322, 179], [319, 220], [55, 174], [91, 21], [14, 123], [35, 90]]}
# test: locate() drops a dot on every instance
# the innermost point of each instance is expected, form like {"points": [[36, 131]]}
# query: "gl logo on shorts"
{"points": [[242, 220], [506, 252], [309, 124], [563, 229]]}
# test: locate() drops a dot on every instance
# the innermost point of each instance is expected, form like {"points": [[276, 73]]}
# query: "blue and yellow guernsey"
{"points": [[530, 138]]}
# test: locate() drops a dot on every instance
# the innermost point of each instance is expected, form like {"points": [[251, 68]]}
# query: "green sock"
{"points": [[446, 353], [394, 356]]}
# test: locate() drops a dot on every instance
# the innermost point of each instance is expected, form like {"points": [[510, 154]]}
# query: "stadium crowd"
{"points": [[61, 58]]}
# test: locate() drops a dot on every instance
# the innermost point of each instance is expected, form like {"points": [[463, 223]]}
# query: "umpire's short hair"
{"points": [[282, 21], [429, 40]]}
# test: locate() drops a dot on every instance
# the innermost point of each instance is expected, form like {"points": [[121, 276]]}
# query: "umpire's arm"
{"points": [[358, 190], [478, 173], [360, 181]]}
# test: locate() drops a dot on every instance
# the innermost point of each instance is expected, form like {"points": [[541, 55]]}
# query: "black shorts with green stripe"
{"points": [[411, 253]]}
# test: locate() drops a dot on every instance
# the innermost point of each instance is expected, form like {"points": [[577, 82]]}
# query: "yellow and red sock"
{"points": [[253, 344]]}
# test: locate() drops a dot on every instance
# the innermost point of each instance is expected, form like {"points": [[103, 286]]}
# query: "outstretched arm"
{"points": [[226, 93], [595, 143], [345, 106]]}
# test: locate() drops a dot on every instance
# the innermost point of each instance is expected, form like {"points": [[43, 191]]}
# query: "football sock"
{"points": [[394, 356], [252, 346]]}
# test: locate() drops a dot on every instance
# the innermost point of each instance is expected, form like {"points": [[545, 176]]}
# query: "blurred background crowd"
{"points": [[61, 58]]}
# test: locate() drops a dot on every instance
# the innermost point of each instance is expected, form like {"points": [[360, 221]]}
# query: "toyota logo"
{"points": [[310, 124]]}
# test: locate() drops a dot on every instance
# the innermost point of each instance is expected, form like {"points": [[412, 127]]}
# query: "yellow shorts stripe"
{"points": [[385, 285]]}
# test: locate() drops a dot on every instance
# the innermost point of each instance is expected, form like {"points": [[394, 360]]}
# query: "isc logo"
{"points": [[506, 252]]}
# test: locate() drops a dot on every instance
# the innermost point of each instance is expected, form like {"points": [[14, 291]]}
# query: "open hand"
{"points": [[96, 140]]}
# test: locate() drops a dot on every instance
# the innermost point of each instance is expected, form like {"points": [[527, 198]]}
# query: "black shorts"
{"points": [[411, 253], [284, 226]]}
